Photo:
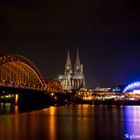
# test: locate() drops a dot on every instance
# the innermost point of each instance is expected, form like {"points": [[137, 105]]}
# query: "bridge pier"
{"points": [[16, 97]]}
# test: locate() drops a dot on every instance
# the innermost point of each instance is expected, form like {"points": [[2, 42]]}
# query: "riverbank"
{"points": [[111, 102]]}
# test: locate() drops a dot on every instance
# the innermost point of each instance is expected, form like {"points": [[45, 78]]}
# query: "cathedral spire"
{"points": [[77, 62], [77, 66], [68, 61], [68, 66]]}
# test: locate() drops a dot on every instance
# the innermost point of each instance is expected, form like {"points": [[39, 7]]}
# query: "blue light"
{"points": [[132, 86]]}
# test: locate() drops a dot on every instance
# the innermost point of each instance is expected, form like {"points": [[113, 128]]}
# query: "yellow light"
{"points": [[52, 94], [16, 99], [6, 96], [55, 98]]}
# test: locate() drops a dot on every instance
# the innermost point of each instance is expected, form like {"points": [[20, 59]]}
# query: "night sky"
{"points": [[107, 33]]}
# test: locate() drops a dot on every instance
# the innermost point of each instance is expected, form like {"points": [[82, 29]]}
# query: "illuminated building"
{"points": [[132, 90], [106, 89], [132, 87], [72, 80]]}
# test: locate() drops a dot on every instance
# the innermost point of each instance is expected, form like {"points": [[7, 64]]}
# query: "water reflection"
{"points": [[52, 123], [80, 122], [6, 108], [132, 120]]}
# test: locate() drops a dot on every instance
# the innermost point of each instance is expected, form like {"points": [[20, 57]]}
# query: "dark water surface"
{"points": [[73, 122]]}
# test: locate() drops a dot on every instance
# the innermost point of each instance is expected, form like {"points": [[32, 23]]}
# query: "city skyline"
{"points": [[106, 33], [70, 69]]}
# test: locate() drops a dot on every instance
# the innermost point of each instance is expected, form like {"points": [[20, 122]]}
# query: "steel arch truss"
{"points": [[16, 70], [54, 86]]}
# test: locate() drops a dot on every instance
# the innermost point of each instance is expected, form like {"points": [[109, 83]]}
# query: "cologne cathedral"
{"points": [[73, 78]]}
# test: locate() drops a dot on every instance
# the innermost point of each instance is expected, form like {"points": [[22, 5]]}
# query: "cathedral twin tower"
{"points": [[72, 80]]}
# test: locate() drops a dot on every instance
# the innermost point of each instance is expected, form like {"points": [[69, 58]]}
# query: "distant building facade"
{"points": [[72, 80]]}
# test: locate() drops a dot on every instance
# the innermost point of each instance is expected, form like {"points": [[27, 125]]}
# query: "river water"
{"points": [[71, 122]]}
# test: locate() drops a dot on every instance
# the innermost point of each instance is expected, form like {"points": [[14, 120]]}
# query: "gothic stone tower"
{"points": [[66, 79], [78, 77], [68, 73]]}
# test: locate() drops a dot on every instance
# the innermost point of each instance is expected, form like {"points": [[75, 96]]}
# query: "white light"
{"points": [[136, 91]]}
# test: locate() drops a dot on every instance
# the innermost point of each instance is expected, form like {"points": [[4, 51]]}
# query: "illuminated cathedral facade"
{"points": [[73, 78]]}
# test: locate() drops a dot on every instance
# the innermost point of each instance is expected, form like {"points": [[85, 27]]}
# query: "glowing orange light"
{"points": [[16, 99]]}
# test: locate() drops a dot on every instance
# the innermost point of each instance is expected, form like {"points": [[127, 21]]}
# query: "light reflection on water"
{"points": [[72, 122], [7, 108], [132, 120]]}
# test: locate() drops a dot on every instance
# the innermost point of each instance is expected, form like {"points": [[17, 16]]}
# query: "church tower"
{"points": [[68, 66], [79, 79], [77, 65], [66, 79]]}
